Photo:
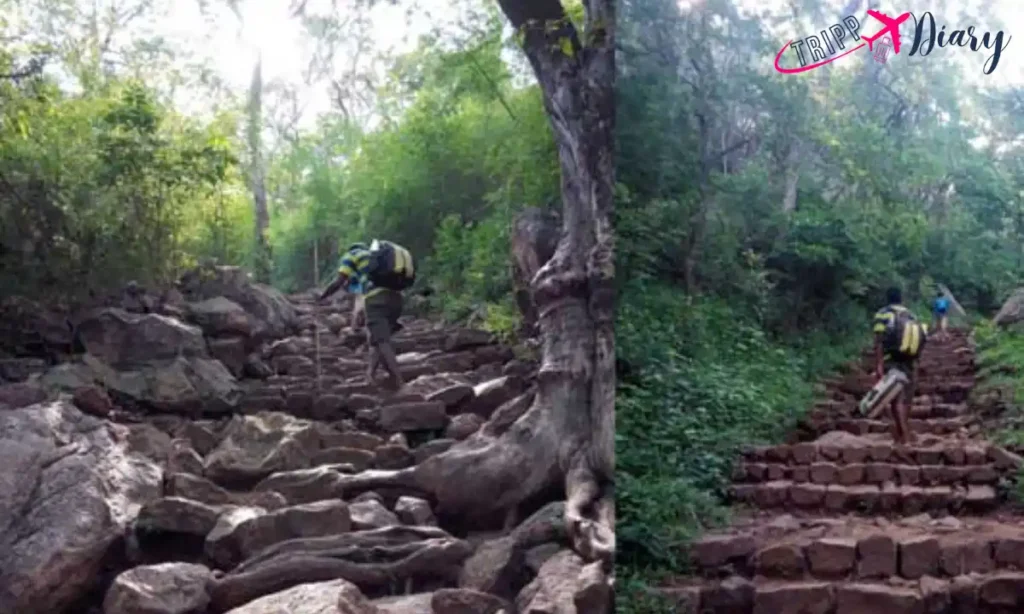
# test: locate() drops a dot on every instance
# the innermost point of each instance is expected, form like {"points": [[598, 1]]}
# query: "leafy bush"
{"points": [[1000, 380], [999, 390], [111, 185], [469, 268], [700, 379]]}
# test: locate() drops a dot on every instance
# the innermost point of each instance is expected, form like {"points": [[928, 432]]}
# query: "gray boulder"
{"points": [[69, 488]]}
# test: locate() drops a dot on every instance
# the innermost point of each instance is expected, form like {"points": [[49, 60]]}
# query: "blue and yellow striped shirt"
{"points": [[885, 317], [355, 264]]}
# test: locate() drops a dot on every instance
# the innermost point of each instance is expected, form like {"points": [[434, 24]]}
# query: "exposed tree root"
{"points": [[369, 559]]}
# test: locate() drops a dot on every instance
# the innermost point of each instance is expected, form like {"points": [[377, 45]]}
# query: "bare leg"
{"points": [[903, 409], [901, 415], [386, 354], [897, 425], [373, 361]]}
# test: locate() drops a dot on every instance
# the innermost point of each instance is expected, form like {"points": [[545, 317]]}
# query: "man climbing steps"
{"points": [[377, 275], [899, 339]]}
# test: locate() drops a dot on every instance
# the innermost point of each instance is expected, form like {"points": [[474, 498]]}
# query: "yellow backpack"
{"points": [[905, 336]]}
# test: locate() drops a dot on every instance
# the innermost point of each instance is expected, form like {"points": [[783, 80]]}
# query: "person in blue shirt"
{"points": [[940, 311]]}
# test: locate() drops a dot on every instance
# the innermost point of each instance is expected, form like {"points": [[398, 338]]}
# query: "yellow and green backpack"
{"points": [[391, 266], [905, 336]]}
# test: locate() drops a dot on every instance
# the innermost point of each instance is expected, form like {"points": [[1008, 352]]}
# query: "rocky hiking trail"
{"points": [[841, 521], [142, 477]]}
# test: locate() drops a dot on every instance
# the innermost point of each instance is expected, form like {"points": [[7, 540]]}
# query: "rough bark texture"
{"points": [[574, 290], [535, 234], [562, 433]]}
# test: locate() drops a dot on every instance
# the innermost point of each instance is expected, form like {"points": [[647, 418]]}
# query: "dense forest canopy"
{"points": [[762, 215], [129, 154]]}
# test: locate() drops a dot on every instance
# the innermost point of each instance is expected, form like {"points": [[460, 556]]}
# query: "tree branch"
{"points": [[718, 155], [543, 25], [522, 12], [35, 67], [491, 82]]}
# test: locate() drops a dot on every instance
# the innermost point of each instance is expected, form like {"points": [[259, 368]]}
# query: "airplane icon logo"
{"points": [[892, 26]]}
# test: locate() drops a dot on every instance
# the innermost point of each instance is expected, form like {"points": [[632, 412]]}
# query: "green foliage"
{"points": [[1000, 386], [108, 186], [701, 379], [872, 200], [466, 270], [109, 183], [633, 595], [999, 350], [999, 390], [444, 178]]}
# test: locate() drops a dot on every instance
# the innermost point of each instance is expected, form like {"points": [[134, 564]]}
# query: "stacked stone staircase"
{"points": [[445, 370], [253, 512], [842, 521]]}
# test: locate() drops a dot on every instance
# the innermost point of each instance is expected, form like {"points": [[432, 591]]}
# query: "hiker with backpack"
{"points": [[940, 313], [899, 339], [377, 275]]}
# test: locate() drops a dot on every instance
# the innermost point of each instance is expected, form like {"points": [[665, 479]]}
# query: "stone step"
{"points": [[370, 404], [935, 413], [935, 368], [929, 357], [958, 359], [865, 379], [863, 426], [863, 449], [861, 549], [938, 410], [954, 358], [868, 473], [941, 404], [949, 390], [997, 592], [865, 498]]}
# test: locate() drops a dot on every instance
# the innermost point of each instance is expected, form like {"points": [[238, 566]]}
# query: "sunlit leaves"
{"points": [[110, 188], [463, 148]]}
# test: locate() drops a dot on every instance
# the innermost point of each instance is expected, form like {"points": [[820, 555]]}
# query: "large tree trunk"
{"points": [[704, 69], [259, 188], [561, 435], [792, 177], [535, 234], [574, 291]]}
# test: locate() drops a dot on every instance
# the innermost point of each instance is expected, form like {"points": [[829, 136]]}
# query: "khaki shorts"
{"points": [[382, 312]]}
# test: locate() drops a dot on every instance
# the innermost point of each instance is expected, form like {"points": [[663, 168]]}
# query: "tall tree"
{"points": [[256, 170], [574, 290]]}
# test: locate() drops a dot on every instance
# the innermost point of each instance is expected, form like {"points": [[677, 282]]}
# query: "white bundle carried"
{"points": [[883, 393]]}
